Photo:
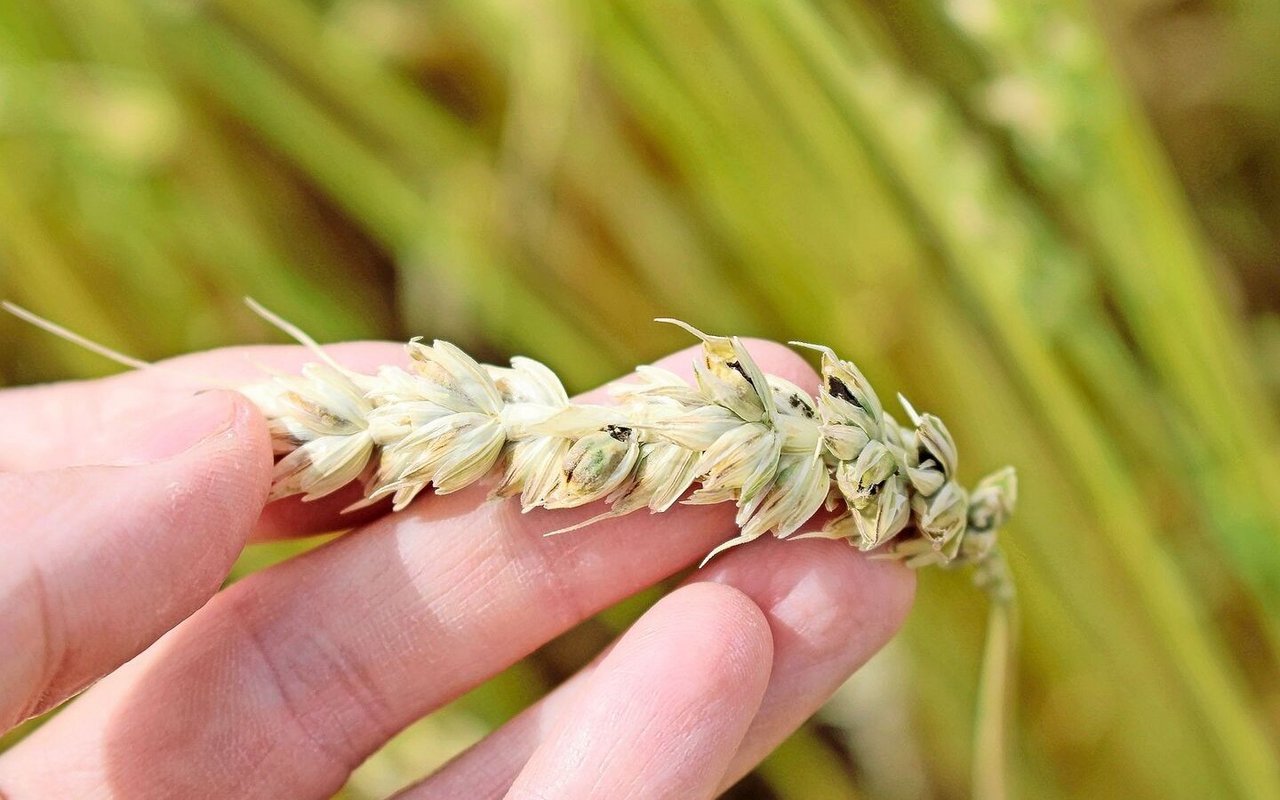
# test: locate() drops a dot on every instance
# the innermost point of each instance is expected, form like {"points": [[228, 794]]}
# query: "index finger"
{"points": [[78, 423]]}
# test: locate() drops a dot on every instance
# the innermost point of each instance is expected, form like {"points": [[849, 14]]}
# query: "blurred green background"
{"points": [[1055, 224]]}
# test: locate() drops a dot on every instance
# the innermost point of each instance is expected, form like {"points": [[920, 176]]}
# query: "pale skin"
{"points": [[127, 500]]}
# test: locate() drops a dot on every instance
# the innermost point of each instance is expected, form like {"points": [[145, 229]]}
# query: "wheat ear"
{"points": [[737, 434]]}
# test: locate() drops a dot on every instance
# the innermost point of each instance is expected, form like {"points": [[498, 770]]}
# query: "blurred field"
{"points": [[1055, 225]]}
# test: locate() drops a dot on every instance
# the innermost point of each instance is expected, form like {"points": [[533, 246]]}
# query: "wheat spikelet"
{"points": [[737, 434]]}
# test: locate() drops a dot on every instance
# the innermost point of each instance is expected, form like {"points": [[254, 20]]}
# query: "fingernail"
{"points": [[179, 428]]}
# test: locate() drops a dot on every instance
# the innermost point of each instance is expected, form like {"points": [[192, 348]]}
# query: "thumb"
{"points": [[99, 561]]}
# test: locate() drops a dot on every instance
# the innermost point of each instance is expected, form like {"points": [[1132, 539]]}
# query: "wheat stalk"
{"points": [[759, 441]]}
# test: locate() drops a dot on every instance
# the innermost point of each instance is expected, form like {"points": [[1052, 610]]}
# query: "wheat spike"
{"points": [[735, 433]]}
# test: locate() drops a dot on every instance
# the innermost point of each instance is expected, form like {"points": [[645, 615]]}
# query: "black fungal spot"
{"points": [[799, 404], [836, 388], [618, 432], [736, 367]]}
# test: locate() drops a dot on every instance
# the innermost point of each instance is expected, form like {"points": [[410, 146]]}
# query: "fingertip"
{"points": [[245, 364], [214, 490], [248, 437], [822, 598], [829, 607], [781, 361], [234, 459], [732, 629], [666, 709], [110, 556], [774, 358], [893, 589]]}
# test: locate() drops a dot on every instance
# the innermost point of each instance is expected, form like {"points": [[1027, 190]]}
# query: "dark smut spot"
{"points": [[736, 367], [836, 388], [797, 402]]}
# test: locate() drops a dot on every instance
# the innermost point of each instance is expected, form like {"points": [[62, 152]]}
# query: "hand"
{"points": [[127, 500]]}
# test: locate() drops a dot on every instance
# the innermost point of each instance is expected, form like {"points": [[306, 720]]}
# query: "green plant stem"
{"points": [[991, 728]]}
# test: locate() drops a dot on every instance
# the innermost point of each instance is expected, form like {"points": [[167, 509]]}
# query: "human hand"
{"points": [[128, 499]]}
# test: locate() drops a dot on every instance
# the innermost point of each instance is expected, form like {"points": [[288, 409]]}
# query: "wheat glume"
{"points": [[738, 435]]}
